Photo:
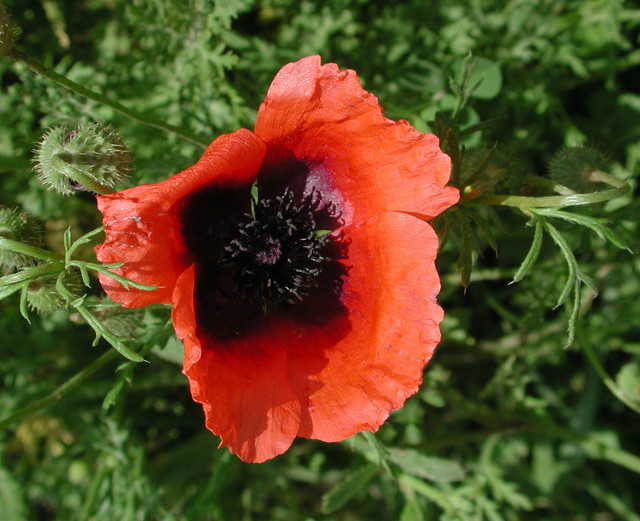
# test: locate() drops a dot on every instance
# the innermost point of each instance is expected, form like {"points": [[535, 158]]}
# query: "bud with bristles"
{"points": [[18, 226], [120, 321], [573, 167], [42, 295], [7, 31], [90, 158]]}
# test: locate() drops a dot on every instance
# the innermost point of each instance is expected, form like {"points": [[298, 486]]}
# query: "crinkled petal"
{"points": [[143, 230], [381, 175], [353, 370], [323, 115], [243, 385]]}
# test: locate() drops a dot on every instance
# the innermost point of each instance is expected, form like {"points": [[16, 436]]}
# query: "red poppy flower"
{"points": [[310, 310]]}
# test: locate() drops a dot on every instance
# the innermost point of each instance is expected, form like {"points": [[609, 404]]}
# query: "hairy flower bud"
{"points": [[43, 297], [122, 322], [87, 158], [18, 226], [573, 167], [7, 31]]}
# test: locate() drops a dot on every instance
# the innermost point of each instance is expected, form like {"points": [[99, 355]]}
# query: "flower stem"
{"points": [[68, 84], [31, 251], [549, 201], [61, 391], [620, 188]]}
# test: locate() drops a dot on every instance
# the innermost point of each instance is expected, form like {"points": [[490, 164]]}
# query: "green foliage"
{"points": [[508, 424]]}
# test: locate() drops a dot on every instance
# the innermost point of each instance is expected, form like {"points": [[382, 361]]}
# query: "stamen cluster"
{"points": [[276, 253]]}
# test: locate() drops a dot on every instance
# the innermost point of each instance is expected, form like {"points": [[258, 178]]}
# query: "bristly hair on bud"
{"points": [[18, 226], [573, 167], [43, 297], [122, 322], [8, 31], [70, 160]]}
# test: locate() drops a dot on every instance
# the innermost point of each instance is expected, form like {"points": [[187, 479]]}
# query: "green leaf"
{"points": [[427, 467], [255, 195], [112, 395], [24, 308], [532, 255], [487, 79], [173, 351], [600, 446], [412, 511], [12, 505], [572, 264], [344, 491], [628, 380], [6, 291], [597, 225], [427, 491], [618, 505], [573, 316]]}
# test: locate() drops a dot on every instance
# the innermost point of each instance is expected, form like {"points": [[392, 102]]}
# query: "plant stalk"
{"points": [[72, 86]]}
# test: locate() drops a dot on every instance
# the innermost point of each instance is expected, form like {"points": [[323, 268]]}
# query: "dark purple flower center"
{"points": [[275, 254]]}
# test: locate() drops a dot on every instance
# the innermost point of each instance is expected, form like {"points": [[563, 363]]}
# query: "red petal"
{"points": [[323, 115], [243, 385], [352, 372], [142, 228]]}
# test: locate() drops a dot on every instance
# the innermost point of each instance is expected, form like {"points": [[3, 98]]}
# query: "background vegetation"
{"points": [[510, 424]]}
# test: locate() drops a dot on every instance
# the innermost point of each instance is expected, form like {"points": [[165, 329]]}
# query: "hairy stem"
{"points": [[31, 251], [72, 86]]}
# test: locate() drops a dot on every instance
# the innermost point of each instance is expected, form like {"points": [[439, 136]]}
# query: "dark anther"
{"points": [[275, 255]]}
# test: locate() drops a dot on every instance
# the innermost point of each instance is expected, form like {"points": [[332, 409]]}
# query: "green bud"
{"points": [[18, 226], [7, 31], [122, 322], [91, 155], [42, 295], [573, 167]]}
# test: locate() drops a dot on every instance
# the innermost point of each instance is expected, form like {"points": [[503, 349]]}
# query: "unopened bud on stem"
{"points": [[43, 297], [573, 167], [90, 158], [18, 226]]}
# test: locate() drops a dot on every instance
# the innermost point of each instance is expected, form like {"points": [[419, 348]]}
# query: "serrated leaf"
{"points": [[344, 491], [427, 467], [599, 226], [427, 491]]}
